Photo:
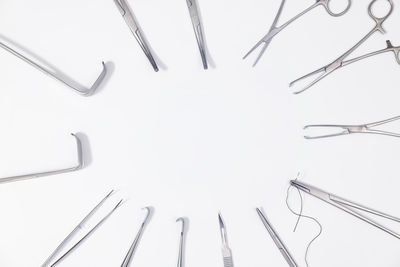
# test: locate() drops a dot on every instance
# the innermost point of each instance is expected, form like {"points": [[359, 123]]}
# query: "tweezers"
{"points": [[126, 13], [197, 27], [79, 227], [351, 129], [278, 242], [48, 173], [347, 206], [83, 92]]}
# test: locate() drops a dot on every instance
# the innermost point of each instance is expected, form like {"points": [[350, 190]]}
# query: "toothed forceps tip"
{"points": [[78, 228]]}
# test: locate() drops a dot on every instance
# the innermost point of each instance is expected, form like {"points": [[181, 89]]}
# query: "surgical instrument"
{"points": [[181, 243], [126, 13], [58, 77], [198, 29], [278, 242], [347, 206], [274, 30], [79, 227], [342, 62], [48, 173], [350, 129], [226, 251], [135, 243]]}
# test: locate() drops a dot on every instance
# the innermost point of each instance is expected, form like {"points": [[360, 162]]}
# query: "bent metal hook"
{"points": [[181, 242], [132, 249], [53, 74], [48, 173]]}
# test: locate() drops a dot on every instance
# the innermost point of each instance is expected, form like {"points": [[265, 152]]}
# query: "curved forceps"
{"points": [[274, 30], [135, 243], [181, 242], [341, 61], [195, 17], [350, 129], [347, 206], [123, 7], [84, 92]]}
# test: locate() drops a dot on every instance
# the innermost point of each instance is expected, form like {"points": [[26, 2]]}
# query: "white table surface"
{"points": [[191, 142]]}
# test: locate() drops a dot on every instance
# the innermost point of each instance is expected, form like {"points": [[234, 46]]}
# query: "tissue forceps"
{"points": [[226, 251], [274, 30], [181, 242], [347, 206], [342, 62], [84, 92], [48, 173], [135, 243], [350, 129], [79, 227], [198, 30], [281, 246], [126, 13]]}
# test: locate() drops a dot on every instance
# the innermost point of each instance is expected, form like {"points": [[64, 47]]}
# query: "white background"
{"points": [[191, 142]]}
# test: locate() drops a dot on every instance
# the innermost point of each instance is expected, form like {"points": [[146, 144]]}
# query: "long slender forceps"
{"points": [[341, 61], [278, 242], [198, 29], [181, 242], [78, 228], [53, 74], [79, 166], [347, 206], [126, 13], [351, 129], [274, 30], [135, 243], [226, 251]]}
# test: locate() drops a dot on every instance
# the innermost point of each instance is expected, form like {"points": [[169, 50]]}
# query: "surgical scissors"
{"points": [[79, 227], [347, 206], [341, 61], [126, 13], [198, 29], [350, 129], [274, 30], [135, 243], [53, 74], [48, 173], [181, 242], [278, 242]]}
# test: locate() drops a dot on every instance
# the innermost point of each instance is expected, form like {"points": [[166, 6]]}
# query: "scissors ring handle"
{"points": [[327, 5], [379, 20]]}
